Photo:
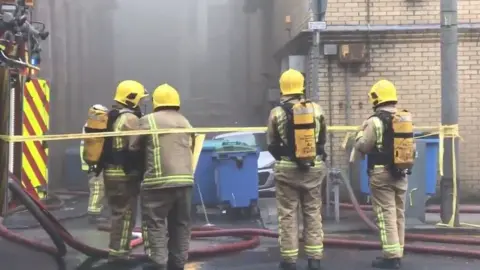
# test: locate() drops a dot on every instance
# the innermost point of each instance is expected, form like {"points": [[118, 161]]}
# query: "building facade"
{"points": [[398, 40]]}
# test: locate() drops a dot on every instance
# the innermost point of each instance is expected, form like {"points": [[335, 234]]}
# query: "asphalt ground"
{"points": [[266, 256]]}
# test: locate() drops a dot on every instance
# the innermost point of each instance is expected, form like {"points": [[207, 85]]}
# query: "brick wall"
{"points": [[415, 70], [395, 11], [413, 64]]}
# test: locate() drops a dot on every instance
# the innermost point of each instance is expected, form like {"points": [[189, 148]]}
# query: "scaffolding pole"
{"points": [[449, 185]]}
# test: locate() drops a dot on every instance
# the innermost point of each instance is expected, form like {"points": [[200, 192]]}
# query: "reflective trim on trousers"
{"points": [[290, 253], [386, 247], [180, 179], [125, 241], [146, 240], [95, 199], [117, 253], [312, 251]]}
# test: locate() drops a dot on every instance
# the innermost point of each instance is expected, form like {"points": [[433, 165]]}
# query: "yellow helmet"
{"points": [[381, 92], [165, 96], [291, 82], [129, 93]]}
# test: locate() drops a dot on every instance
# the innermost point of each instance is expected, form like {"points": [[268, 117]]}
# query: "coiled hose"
{"points": [[251, 238]]}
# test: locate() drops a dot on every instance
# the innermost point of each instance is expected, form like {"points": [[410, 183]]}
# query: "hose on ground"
{"points": [[59, 250], [32, 204], [409, 236], [54, 202], [252, 238], [464, 209]]}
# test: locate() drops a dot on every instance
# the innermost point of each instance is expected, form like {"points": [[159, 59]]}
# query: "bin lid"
{"points": [[211, 144], [234, 146]]}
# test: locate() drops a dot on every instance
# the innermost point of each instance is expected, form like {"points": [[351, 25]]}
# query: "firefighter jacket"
{"points": [[168, 157], [85, 166], [370, 137], [276, 134], [126, 121]]}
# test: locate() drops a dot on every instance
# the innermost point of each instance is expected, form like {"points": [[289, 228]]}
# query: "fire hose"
{"points": [[464, 209], [61, 236], [250, 236]]}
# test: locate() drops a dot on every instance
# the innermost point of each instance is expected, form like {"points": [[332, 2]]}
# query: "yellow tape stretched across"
{"points": [[81, 136], [446, 131]]}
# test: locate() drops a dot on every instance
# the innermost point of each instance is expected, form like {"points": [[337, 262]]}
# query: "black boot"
{"points": [[383, 263], [154, 266], [172, 266], [287, 266], [314, 264]]}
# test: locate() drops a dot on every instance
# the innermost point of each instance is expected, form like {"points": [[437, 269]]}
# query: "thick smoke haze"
{"points": [[210, 50]]}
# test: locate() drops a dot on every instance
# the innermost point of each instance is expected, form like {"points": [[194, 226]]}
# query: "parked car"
{"points": [[265, 159]]}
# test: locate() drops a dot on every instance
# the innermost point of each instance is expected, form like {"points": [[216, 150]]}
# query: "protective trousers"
{"points": [[122, 198], [295, 188], [166, 210], [97, 193], [388, 200]]}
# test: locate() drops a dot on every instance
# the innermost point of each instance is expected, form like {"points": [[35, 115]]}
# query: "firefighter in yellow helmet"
{"points": [[388, 181], [122, 168], [296, 138], [167, 182], [95, 182]]}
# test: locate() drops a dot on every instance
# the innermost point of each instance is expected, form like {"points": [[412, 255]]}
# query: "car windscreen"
{"points": [[261, 139], [258, 139]]}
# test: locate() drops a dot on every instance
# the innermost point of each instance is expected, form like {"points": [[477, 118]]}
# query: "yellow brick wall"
{"points": [[396, 11], [414, 66]]}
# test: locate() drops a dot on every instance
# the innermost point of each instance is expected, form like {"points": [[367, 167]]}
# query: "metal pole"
{"points": [[4, 130], [315, 53], [449, 47]]}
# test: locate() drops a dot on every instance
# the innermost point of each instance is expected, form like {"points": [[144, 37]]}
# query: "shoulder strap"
{"points": [[112, 117]]}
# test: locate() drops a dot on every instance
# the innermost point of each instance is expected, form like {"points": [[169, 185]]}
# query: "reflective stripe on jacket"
{"points": [[85, 166], [168, 156], [118, 143]]}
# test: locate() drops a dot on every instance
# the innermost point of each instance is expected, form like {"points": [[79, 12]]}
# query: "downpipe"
{"points": [[250, 237]]}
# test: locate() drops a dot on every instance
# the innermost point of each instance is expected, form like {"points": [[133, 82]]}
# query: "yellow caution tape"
{"points": [[81, 136], [447, 131]]}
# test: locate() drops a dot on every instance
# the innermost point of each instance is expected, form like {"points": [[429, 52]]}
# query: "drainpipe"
{"points": [[330, 107], [348, 109], [348, 95]]}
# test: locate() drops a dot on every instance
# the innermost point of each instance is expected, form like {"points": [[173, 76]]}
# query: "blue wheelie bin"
{"points": [[205, 175], [236, 176]]}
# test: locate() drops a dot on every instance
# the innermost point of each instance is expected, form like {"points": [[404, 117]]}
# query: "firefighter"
{"points": [[296, 137], [388, 174], [122, 169], [167, 185], [95, 182]]}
